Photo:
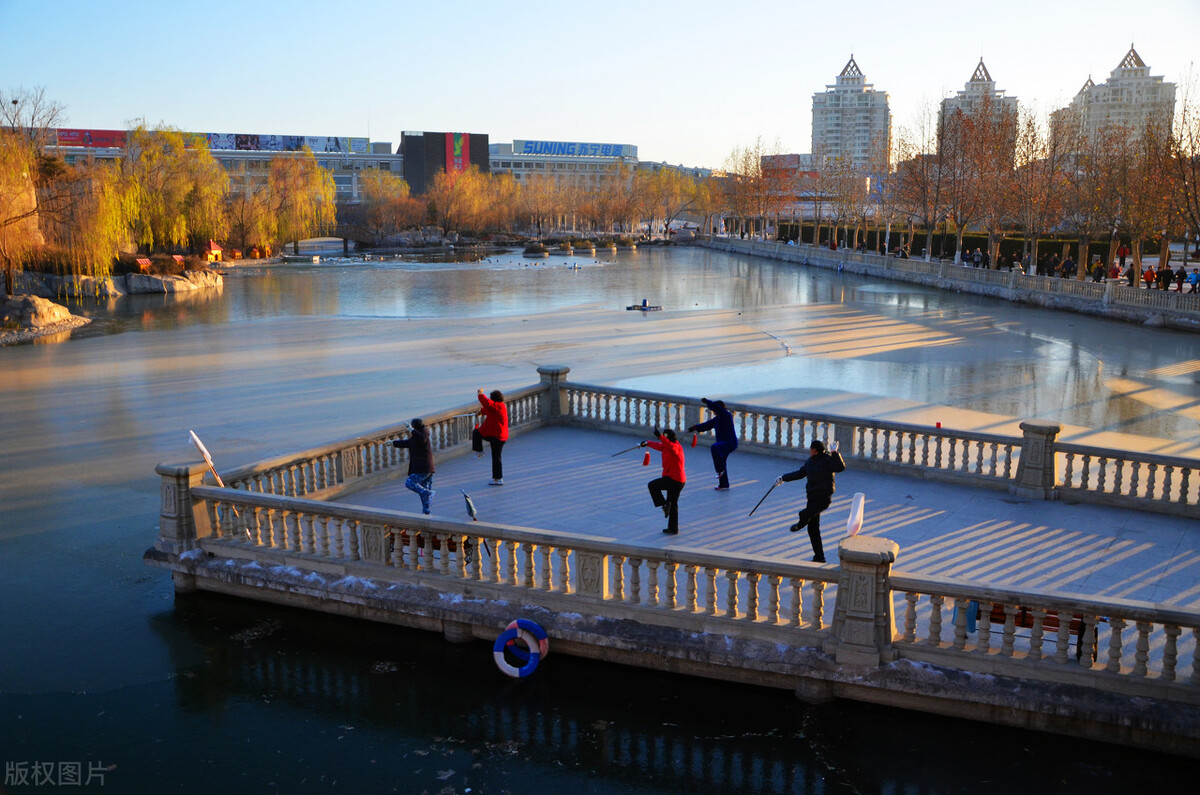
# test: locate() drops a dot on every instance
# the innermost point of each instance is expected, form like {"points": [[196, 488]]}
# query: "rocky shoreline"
{"points": [[31, 314], [27, 317], [49, 285]]}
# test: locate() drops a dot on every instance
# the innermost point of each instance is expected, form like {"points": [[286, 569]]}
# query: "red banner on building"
{"points": [[93, 138], [458, 152]]}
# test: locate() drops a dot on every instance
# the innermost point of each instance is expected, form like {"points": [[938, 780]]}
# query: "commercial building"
{"points": [[1131, 98], [425, 154], [578, 164], [247, 157], [852, 121]]}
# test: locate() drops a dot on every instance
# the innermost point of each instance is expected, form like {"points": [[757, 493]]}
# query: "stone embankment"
{"points": [[25, 317], [48, 285]]}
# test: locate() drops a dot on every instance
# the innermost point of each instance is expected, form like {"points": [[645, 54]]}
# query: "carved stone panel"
{"points": [[592, 572], [376, 544]]}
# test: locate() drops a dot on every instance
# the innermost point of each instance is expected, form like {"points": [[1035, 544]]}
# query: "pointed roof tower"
{"points": [[851, 69], [1131, 60], [981, 74]]}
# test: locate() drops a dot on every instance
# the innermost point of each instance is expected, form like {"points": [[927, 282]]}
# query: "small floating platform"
{"points": [[644, 307]]}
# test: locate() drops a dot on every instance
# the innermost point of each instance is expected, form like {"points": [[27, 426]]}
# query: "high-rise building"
{"points": [[979, 94], [1131, 97], [851, 120]]}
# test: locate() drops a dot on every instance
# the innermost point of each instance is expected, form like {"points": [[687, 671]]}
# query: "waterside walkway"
{"points": [[1112, 298], [947, 601]]}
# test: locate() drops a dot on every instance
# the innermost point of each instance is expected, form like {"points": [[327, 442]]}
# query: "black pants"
{"points": [[811, 516], [665, 491], [720, 452], [497, 466]]}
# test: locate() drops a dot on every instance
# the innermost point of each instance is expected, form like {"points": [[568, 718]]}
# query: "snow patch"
{"points": [[313, 577], [350, 581], [192, 554], [290, 571]]}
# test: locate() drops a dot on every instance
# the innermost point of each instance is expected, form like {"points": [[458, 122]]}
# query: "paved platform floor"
{"points": [[567, 479]]}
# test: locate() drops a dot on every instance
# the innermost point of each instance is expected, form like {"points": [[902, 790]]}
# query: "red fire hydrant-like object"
{"points": [[646, 459], [693, 440]]}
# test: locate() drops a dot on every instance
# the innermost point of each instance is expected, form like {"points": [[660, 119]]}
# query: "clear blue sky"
{"points": [[685, 82]]}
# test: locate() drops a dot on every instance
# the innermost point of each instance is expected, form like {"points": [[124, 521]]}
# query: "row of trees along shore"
{"points": [[991, 177]]}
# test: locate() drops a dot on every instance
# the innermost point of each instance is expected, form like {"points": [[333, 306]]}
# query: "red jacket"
{"points": [[495, 419], [672, 458]]}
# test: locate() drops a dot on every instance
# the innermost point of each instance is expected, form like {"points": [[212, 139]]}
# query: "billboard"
{"points": [[573, 149], [92, 138], [458, 152]]}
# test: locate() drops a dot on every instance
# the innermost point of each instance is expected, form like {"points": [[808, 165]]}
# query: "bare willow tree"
{"points": [[920, 177], [302, 198], [1043, 150], [752, 193], [1183, 162]]}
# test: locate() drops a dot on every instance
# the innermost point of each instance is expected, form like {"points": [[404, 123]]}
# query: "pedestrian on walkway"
{"points": [[726, 441], [664, 491], [1180, 278], [494, 429], [819, 469], [1122, 253], [420, 463], [1194, 280]]}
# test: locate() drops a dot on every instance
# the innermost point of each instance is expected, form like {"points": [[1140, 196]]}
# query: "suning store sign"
{"points": [[574, 149]]}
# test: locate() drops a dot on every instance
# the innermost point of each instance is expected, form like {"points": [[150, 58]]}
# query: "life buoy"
{"points": [[543, 640], [507, 640]]}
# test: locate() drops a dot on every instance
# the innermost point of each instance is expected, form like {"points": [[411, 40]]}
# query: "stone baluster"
{"points": [[961, 606], [1038, 633], [1170, 652], [910, 616], [773, 581], [690, 587], [528, 550], [1116, 627], [797, 611], [351, 527], [1087, 640], [476, 568], [635, 581], [671, 601], [818, 604], [564, 570], [547, 570], [652, 583], [752, 579], [508, 571], [618, 577], [1141, 655], [710, 593], [935, 620], [1195, 680], [1063, 640], [731, 593]]}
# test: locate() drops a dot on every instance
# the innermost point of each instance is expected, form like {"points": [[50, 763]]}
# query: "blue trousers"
{"points": [[422, 484], [720, 451]]}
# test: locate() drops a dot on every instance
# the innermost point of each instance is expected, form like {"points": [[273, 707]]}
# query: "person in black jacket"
{"points": [[819, 469], [726, 441], [420, 463]]}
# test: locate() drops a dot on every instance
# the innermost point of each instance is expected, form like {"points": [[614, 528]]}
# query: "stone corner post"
{"points": [[1037, 471], [863, 618], [177, 530], [553, 400]]}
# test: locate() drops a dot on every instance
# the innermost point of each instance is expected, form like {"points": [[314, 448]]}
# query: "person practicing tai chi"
{"points": [[420, 462], [726, 441], [494, 429], [664, 491], [819, 469]]}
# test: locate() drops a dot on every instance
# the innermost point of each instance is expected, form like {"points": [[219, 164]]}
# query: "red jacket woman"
{"points": [[494, 429], [664, 491]]}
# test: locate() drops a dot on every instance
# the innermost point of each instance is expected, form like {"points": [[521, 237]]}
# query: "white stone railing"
{"points": [[1100, 294], [1142, 648], [1139, 647], [1145, 481], [351, 464], [675, 587]]}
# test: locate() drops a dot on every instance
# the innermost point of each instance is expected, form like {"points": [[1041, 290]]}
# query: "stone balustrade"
{"points": [[1028, 465], [1108, 298], [353, 464]]}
